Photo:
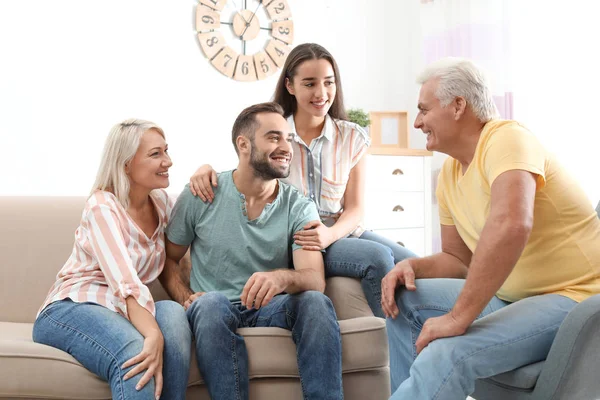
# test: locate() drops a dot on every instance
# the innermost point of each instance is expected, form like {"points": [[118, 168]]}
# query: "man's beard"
{"points": [[263, 169]]}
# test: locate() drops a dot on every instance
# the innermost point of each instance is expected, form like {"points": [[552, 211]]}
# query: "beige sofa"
{"points": [[36, 237]]}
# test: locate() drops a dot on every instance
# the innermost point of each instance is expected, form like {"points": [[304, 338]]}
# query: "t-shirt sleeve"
{"points": [[511, 148], [444, 211], [360, 144], [302, 211], [184, 216]]}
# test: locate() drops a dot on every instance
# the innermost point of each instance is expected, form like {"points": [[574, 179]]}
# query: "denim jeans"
{"points": [[102, 340], [505, 336], [368, 258], [223, 358]]}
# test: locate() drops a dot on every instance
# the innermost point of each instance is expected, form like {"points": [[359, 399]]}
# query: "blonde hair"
{"points": [[121, 145], [461, 77]]}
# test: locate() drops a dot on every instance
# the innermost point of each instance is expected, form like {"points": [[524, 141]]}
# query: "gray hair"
{"points": [[461, 77], [121, 145]]}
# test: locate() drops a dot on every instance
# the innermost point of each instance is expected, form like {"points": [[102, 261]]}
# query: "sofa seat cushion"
{"points": [[33, 370], [28, 369], [523, 378]]}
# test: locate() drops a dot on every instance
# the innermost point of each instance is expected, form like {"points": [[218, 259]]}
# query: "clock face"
{"points": [[245, 40]]}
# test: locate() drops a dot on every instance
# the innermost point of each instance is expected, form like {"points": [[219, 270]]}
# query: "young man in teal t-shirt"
{"points": [[241, 247]]}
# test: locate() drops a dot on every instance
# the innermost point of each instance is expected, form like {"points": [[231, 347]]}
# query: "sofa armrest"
{"points": [[571, 368], [348, 297]]}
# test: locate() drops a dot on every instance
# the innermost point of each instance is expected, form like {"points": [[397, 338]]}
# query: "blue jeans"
{"points": [[102, 340], [368, 258], [505, 336], [221, 352]]}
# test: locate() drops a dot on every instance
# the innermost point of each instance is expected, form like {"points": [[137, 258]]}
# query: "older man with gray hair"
{"points": [[519, 247]]}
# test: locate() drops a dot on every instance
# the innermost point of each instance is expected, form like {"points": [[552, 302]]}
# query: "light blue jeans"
{"points": [[102, 340], [505, 336], [368, 258], [223, 358]]}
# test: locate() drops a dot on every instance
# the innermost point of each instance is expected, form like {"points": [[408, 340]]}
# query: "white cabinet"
{"points": [[398, 199]]}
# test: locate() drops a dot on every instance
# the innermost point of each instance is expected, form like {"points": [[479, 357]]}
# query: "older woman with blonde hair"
{"points": [[100, 309]]}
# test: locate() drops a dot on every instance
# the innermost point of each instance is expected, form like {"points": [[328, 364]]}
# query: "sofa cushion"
{"points": [[523, 378], [35, 370]]}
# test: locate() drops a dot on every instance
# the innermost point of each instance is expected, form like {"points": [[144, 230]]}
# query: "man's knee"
{"points": [[208, 309], [407, 300], [313, 300], [171, 311], [314, 305], [432, 294]]}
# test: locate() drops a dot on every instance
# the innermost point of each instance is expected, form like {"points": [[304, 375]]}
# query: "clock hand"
{"points": [[251, 18], [239, 12]]}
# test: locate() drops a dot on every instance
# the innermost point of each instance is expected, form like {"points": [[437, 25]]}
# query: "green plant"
{"points": [[358, 116]]}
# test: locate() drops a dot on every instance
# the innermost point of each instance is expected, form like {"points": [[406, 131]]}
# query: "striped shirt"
{"points": [[321, 170], [113, 258]]}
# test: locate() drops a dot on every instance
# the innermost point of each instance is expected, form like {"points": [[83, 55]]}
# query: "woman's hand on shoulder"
{"points": [[314, 236], [202, 182]]}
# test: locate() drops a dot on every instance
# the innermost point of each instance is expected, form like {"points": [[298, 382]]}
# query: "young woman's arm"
{"points": [[353, 202], [316, 236]]}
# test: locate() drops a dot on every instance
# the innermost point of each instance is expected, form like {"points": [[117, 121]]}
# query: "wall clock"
{"points": [[245, 40]]}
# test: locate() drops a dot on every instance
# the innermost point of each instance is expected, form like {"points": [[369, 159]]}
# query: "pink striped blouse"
{"points": [[113, 258]]}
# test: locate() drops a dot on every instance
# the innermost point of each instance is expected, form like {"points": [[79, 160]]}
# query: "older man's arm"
{"points": [[502, 241], [451, 262]]}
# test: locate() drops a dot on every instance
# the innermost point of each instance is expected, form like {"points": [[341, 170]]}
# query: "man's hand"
{"points": [[191, 299], [314, 236], [261, 287], [401, 274], [439, 327]]}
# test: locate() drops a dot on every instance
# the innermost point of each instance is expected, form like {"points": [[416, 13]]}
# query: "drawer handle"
{"points": [[401, 244], [398, 208], [398, 171]]}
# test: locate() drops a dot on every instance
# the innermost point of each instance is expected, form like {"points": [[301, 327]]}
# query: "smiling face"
{"points": [[314, 87], [271, 147], [149, 167], [437, 122]]}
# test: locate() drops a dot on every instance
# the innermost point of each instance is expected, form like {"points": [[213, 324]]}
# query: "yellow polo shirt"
{"points": [[562, 255]]}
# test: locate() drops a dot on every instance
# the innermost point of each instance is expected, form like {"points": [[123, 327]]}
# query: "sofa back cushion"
{"points": [[36, 239]]}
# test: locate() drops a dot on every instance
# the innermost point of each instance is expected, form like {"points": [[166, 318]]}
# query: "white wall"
{"points": [[405, 61], [555, 69], [70, 69]]}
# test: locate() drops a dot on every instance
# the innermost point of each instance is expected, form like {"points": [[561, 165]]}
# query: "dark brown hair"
{"points": [[245, 124], [300, 54]]}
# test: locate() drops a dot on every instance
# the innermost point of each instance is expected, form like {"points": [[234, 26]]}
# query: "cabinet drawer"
{"points": [[412, 239], [388, 210], [396, 173]]}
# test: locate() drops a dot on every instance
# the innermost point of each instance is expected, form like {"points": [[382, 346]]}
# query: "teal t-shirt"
{"points": [[227, 248]]}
